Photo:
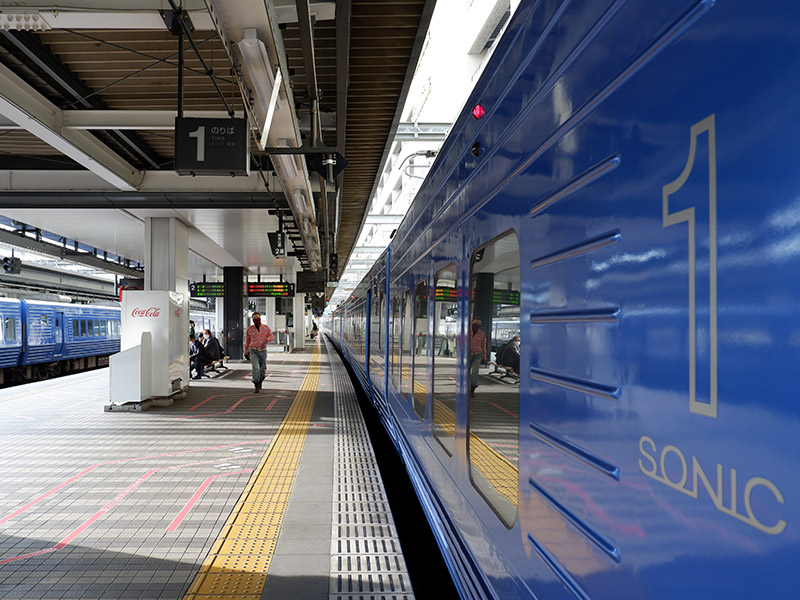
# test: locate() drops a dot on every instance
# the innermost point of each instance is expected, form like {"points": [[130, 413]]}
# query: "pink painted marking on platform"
{"points": [[107, 507], [116, 462], [271, 405], [193, 500], [203, 402], [217, 413], [504, 410]]}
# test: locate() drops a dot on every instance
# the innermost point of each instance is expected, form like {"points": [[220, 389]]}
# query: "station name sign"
{"points": [[212, 147]]}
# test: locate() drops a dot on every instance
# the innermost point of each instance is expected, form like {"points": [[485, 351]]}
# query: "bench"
{"points": [[217, 364], [503, 372]]}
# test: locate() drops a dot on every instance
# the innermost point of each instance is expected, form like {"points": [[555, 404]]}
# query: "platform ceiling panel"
{"points": [[385, 41]]}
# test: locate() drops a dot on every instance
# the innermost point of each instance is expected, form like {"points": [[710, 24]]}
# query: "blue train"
{"points": [[621, 192], [46, 339]]}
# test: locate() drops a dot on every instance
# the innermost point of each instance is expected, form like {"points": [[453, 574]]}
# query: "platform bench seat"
{"points": [[504, 372]]}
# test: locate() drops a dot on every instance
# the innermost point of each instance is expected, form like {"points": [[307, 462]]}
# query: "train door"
{"points": [[58, 333]]}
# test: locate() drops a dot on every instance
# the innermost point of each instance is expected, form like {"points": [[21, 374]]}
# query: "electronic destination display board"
{"points": [[270, 289], [445, 294], [505, 297], [206, 289]]}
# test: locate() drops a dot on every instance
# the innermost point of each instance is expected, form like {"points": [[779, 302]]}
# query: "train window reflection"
{"points": [[83, 327], [75, 328], [445, 357], [405, 343], [493, 406], [11, 329], [395, 343], [420, 384]]}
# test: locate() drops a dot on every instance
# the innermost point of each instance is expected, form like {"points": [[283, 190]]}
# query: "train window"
{"points": [[420, 352], [493, 404], [395, 343], [90, 327], [110, 328], [97, 327], [11, 329], [380, 309], [76, 328], [405, 342], [445, 357], [83, 327], [42, 319]]}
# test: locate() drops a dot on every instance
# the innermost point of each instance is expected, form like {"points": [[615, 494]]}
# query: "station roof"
{"points": [[88, 96]]}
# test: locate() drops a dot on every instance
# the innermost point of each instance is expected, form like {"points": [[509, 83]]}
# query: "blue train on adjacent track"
{"points": [[40, 339], [621, 192]]}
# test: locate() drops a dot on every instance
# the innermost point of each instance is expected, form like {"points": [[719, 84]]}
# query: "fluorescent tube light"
{"points": [[286, 161], [266, 84]]}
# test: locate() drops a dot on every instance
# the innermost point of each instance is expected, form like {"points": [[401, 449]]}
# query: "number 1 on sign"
{"points": [[200, 135], [708, 409]]}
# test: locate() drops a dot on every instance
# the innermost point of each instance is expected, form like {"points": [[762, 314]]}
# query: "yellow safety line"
{"points": [[239, 560]]}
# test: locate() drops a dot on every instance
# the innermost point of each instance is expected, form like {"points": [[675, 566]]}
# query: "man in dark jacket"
{"points": [[199, 358], [510, 355], [212, 345]]}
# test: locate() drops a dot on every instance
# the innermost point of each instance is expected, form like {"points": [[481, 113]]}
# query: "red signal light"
{"points": [[478, 111]]}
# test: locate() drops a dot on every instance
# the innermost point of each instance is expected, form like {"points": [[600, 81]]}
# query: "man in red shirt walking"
{"points": [[477, 353], [255, 347]]}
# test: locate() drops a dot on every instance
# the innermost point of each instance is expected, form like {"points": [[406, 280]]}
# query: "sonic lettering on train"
{"points": [[145, 312], [655, 468]]}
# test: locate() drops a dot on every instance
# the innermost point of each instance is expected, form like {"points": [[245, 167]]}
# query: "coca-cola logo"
{"points": [[145, 312]]}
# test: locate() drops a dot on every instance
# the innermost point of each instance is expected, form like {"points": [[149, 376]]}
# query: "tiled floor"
{"points": [[98, 504]]}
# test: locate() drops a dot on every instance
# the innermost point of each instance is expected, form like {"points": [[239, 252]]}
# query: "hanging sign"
{"points": [[212, 147]]}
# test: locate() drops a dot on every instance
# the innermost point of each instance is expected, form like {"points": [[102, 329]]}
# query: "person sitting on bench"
{"points": [[214, 349], [199, 358], [510, 355]]}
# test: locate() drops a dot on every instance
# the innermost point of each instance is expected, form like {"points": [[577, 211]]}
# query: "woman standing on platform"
{"points": [[255, 347]]}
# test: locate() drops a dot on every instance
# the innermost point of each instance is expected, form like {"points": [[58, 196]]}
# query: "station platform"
{"points": [[225, 494]]}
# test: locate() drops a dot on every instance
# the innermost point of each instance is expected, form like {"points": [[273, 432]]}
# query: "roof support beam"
{"points": [[21, 241], [24, 106], [74, 89]]}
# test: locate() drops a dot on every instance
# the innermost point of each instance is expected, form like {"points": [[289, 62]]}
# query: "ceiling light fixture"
{"points": [[266, 84], [286, 161]]}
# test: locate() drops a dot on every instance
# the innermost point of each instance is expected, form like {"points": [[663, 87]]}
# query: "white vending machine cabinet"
{"points": [[166, 316]]}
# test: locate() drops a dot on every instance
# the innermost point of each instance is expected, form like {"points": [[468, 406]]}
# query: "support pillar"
{"points": [[299, 321], [166, 256], [234, 311], [484, 308]]}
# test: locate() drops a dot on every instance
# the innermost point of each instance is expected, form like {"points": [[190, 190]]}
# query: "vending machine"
{"points": [[165, 315]]}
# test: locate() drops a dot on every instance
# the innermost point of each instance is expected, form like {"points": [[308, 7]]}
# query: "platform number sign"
{"points": [[212, 147]]}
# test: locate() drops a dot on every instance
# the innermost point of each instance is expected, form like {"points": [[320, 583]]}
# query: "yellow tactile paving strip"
{"points": [[501, 473], [237, 566]]}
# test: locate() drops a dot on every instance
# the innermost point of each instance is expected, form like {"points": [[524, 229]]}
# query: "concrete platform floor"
{"points": [[98, 504]]}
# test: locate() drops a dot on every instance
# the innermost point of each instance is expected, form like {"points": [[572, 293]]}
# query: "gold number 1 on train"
{"points": [[687, 215]]}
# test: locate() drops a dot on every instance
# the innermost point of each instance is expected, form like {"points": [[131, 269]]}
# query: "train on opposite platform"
{"points": [[621, 192], [39, 340]]}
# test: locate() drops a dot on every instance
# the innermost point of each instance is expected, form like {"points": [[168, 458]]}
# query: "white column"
{"points": [[299, 321], [166, 255], [219, 323], [268, 316]]}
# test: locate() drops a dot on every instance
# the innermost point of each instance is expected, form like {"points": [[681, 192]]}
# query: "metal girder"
{"points": [[20, 241], [75, 89], [136, 200], [65, 181], [119, 14], [150, 120], [58, 281], [23, 105], [422, 132]]}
